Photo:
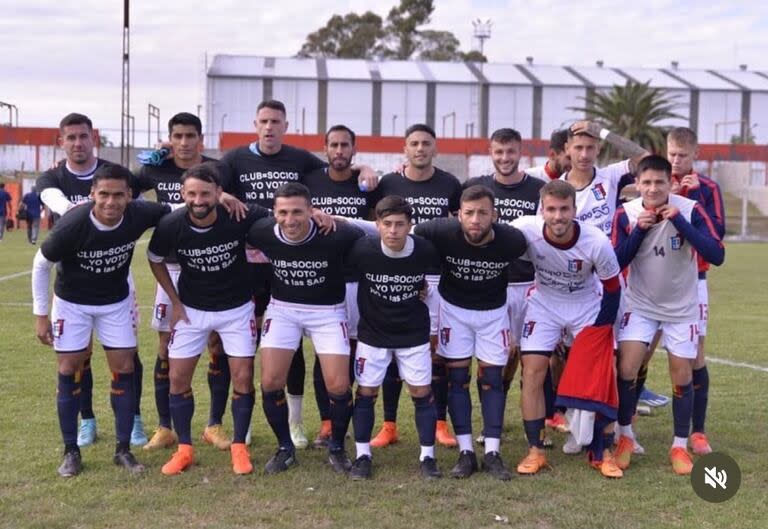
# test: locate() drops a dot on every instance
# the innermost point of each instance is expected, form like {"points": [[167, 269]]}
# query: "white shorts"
{"points": [[703, 306], [135, 314], [326, 325], [236, 327], [414, 364], [353, 313], [517, 298], [73, 324], [548, 321], [433, 303], [680, 339], [161, 313], [482, 332]]}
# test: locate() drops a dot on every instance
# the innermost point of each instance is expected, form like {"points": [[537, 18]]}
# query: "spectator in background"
{"points": [[5, 208], [31, 205]]}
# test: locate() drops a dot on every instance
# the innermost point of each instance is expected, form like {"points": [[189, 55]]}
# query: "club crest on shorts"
{"points": [[161, 309], [599, 192], [58, 328], [265, 326], [575, 265], [676, 241], [528, 328], [359, 366], [445, 335]]}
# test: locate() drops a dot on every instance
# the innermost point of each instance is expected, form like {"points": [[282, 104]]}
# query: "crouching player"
{"points": [[658, 235], [394, 322]]}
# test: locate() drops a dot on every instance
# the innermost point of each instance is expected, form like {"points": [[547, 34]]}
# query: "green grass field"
{"points": [[209, 495]]}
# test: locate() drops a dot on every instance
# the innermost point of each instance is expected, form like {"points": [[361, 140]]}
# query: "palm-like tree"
{"points": [[633, 111]]}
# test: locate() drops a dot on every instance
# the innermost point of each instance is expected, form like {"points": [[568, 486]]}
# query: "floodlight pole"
{"points": [[125, 101], [152, 112]]}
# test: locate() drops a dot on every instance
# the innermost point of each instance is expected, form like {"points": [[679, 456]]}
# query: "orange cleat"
{"points": [[681, 461], [181, 460], [533, 462], [388, 435], [623, 453], [558, 423], [607, 467], [700, 444], [444, 436], [323, 436], [241, 459]]}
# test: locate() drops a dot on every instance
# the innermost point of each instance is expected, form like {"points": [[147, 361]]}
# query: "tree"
{"points": [[402, 26], [352, 36], [738, 139], [633, 111]]}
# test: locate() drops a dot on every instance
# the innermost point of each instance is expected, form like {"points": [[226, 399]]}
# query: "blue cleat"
{"points": [[138, 437], [86, 435], [654, 400]]}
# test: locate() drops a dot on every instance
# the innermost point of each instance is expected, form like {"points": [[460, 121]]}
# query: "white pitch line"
{"points": [[17, 274], [736, 364]]}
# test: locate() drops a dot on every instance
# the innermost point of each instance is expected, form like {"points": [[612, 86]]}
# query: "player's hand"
{"points": [[424, 292], [646, 219], [691, 181], [236, 209], [325, 222], [675, 186], [58, 163], [400, 169], [178, 314], [586, 127], [43, 330], [165, 145], [368, 179], [667, 212]]}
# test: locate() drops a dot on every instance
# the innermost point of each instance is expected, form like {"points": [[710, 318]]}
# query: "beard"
{"points": [[201, 213], [510, 172], [476, 238]]}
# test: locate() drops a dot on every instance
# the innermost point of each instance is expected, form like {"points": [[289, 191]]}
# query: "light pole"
{"points": [[152, 112], [482, 32], [394, 120], [223, 117], [450, 115]]}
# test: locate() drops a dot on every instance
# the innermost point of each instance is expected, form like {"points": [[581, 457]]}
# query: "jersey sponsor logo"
{"points": [[445, 335], [265, 326], [676, 241], [624, 320], [161, 310], [599, 192], [575, 265], [359, 365], [528, 328], [58, 328]]}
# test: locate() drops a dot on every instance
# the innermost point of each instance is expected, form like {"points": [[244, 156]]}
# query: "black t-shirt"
{"points": [[391, 313], [77, 188], [473, 277], [430, 199], [93, 263], [212, 259], [253, 177], [340, 198], [165, 179], [514, 201], [309, 272]]}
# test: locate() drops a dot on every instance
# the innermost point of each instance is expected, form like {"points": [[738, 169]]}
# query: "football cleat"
{"points": [[86, 434], [241, 459], [298, 436], [681, 461], [388, 435], [125, 459], [623, 453], [323, 436], [215, 435], [71, 464], [465, 466], [428, 469], [654, 400], [138, 437], [362, 468], [444, 436], [535, 460], [182, 459], [700, 444], [162, 438], [281, 461], [494, 465]]}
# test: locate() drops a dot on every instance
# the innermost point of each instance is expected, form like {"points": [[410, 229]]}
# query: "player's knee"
{"points": [[242, 379], [368, 394], [458, 377], [420, 392], [337, 385], [490, 378], [272, 382]]}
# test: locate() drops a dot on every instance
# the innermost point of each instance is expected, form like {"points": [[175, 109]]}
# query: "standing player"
{"points": [[61, 189], [517, 194], [93, 246], [5, 208], [335, 190], [557, 159], [571, 259], [658, 236], [185, 138], [307, 289], [475, 254], [209, 247], [433, 193], [253, 173], [394, 322]]}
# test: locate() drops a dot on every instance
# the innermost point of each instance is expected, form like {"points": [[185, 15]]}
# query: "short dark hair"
{"points": [[654, 162], [683, 136], [75, 119], [558, 189], [557, 140], [506, 135], [478, 192], [340, 128], [293, 189], [206, 171], [582, 132], [393, 205], [185, 118], [420, 127], [111, 171], [274, 104]]}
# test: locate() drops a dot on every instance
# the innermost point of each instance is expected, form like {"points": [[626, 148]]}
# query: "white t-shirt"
{"points": [[596, 203]]}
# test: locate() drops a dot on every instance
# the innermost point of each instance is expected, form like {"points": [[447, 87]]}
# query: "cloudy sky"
{"points": [[57, 57]]}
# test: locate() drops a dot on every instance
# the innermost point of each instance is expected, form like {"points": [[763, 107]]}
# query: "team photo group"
{"points": [[555, 273]]}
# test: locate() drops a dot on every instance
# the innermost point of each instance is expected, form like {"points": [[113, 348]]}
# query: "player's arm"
{"points": [[236, 209], [625, 146], [518, 244], [706, 193], [700, 232], [607, 270], [56, 200], [626, 241], [41, 277], [366, 226], [161, 245]]}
